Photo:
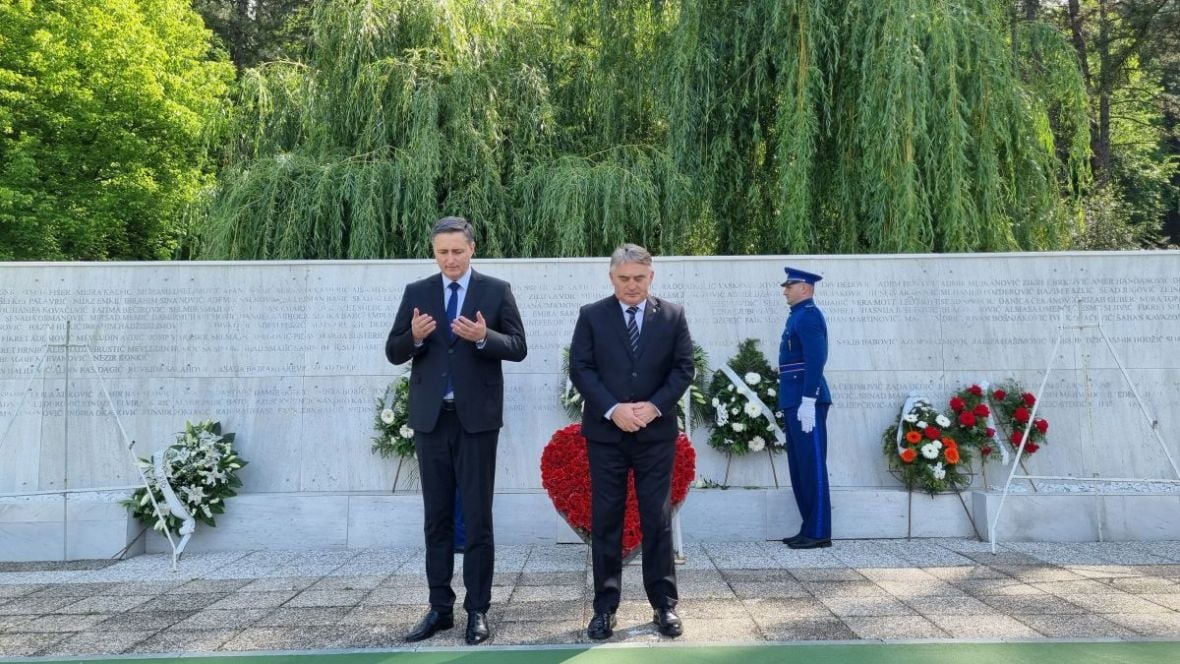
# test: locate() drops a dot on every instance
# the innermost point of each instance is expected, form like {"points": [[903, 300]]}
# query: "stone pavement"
{"points": [[745, 592]]}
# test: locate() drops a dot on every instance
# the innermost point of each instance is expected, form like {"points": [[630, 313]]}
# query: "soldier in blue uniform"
{"points": [[804, 399]]}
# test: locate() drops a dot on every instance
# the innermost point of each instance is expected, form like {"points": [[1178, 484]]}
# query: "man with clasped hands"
{"points": [[457, 327], [631, 359]]}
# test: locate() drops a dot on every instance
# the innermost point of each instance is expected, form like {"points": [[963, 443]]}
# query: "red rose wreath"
{"points": [[565, 474]]}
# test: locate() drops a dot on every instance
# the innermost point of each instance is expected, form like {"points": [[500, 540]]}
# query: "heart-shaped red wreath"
{"points": [[565, 474]]}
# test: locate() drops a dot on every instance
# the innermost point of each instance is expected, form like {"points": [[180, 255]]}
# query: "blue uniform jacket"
{"points": [[802, 354]]}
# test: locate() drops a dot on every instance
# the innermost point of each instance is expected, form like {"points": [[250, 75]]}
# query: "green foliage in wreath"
{"points": [[394, 437], [738, 425], [201, 466]]}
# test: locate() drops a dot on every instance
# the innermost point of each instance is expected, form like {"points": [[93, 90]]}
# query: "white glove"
{"points": [[806, 414]]}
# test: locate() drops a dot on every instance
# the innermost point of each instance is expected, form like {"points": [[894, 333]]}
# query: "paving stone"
{"points": [[26, 645], [1073, 587], [94, 643], [362, 582], [328, 598], [517, 611], [547, 593], [210, 586], [965, 573], [695, 591], [1040, 604], [143, 620], [78, 590], [35, 605], [932, 588], [897, 575], [253, 600], [1149, 624], [296, 616], [402, 615], [181, 602], [283, 638], [1075, 626], [278, 584], [8, 591], [865, 606], [548, 579], [826, 574], [804, 628], [709, 609], [1008, 586], [184, 641], [844, 589], [145, 588], [950, 606], [771, 611], [716, 630], [538, 633], [1115, 603], [62, 623], [1169, 600], [983, 627], [1005, 558], [105, 604], [893, 628], [755, 575], [369, 636], [416, 596], [1142, 585], [10, 623], [1037, 573], [749, 590], [222, 618]]}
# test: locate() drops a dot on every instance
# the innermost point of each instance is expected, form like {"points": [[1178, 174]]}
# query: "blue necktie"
{"points": [[633, 329], [452, 314], [452, 308]]}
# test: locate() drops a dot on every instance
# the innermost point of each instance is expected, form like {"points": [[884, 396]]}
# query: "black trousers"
{"points": [[449, 457], [652, 464]]}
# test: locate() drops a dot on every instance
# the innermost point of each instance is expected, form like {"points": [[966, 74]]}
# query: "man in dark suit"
{"points": [[804, 398], [457, 327], [631, 359]]}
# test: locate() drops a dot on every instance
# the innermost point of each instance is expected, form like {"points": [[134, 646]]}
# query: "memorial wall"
{"points": [[290, 356]]}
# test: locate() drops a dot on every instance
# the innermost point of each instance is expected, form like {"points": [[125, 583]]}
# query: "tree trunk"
{"points": [[1100, 141]]}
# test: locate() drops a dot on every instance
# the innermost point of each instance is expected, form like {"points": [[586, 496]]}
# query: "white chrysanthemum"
{"points": [[735, 410], [938, 471], [406, 432], [937, 444], [770, 392], [757, 444], [738, 427], [778, 414], [922, 424], [716, 402], [752, 378], [730, 388], [929, 451], [752, 409], [911, 418], [387, 416], [942, 421]]}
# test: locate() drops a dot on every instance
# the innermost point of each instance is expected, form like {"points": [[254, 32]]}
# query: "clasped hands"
{"points": [[423, 325], [632, 417]]}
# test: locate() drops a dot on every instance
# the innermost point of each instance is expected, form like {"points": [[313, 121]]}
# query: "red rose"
{"points": [[1041, 425], [967, 419], [999, 395], [908, 455], [957, 404], [982, 410], [1020, 415], [1029, 448], [991, 432], [932, 432], [976, 390], [1029, 399], [1016, 436], [985, 451]]}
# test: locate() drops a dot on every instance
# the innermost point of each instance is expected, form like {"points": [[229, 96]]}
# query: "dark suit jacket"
{"points": [[606, 372], [478, 376]]}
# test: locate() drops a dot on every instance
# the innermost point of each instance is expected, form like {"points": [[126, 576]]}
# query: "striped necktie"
{"points": [[633, 329]]}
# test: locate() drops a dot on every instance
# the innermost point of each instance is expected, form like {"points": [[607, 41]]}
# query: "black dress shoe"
{"points": [[477, 628], [792, 538], [432, 622], [602, 625], [668, 623], [803, 542]]}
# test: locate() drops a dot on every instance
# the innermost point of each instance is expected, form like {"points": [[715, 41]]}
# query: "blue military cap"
{"points": [[795, 276]]}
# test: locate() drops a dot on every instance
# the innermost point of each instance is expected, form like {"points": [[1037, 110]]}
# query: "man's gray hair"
{"points": [[453, 225], [629, 253]]}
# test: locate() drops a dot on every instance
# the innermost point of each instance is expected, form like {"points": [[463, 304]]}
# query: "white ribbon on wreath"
{"points": [[1002, 448], [741, 386], [175, 506]]}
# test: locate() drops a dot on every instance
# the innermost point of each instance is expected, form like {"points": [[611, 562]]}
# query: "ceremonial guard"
{"points": [[804, 400]]}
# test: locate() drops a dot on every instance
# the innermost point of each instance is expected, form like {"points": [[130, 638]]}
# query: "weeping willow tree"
{"points": [[563, 127]]}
